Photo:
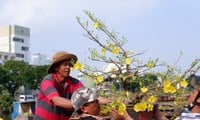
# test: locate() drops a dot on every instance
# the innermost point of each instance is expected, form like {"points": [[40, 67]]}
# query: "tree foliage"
{"points": [[18, 73], [14, 74], [15, 70]]}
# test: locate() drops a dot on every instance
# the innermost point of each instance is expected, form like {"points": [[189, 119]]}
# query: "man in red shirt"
{"points": [[53, 100]]}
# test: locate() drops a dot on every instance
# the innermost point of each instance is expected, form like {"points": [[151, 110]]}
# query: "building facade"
{"points": [[14, 43]]}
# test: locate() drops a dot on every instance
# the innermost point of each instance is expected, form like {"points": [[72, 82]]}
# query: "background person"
{"points": [[53, 99], [193, 100]]}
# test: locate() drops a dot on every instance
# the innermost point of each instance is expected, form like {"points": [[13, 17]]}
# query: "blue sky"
{"points": [[164, 27]]}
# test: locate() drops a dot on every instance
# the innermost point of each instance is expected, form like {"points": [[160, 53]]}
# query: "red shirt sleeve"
{"points": [[49, 89]]}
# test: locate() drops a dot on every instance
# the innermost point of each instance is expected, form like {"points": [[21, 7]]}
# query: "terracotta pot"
{"points": [[145, 115], [140, 115]]}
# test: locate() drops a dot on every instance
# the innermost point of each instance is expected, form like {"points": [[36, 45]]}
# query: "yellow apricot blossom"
{"points": [[167, 83], [150, 64], [172, 89], [140, 107], [128, 61], [150, 107], [127, 94], [115, 51], [103, 51], [96, 25], [152, 99], [112, 105], [169, 89], [122, 108], [99, 79], [143, 89], [184, 83], [77, 66]]}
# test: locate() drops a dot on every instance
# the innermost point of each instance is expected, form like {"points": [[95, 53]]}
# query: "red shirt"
{"points": [[50, 88]]}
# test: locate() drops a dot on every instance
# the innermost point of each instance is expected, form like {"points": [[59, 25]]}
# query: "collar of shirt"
{"points": [[191, 114]]}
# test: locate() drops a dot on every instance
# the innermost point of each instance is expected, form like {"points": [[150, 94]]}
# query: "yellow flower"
{"points": [[167, 83], [128, 61], [152, 99], [169, 89], [127, 94], [151, 64], [175, 102], [112, 105], [99, 79], [144, 89], [149, 107], [103, 51], [96, 25], [172, 89], [140, 107], [184, 83], [1, 118], [166, 89], [122, 108], [167, 86], [115, 51], [77, 66]]}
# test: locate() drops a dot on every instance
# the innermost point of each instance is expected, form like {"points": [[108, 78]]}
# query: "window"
{"points": [[5, 57], [24, 48], [18, 39], [19, 55]]}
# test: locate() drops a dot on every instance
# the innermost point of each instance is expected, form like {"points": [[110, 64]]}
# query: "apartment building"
{"points": [[14, 43]]}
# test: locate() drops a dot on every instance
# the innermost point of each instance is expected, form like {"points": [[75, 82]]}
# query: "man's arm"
{"points": [[62, 102]]}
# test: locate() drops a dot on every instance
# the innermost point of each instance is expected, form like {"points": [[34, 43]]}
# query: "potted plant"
{"points": [[131, 80]]}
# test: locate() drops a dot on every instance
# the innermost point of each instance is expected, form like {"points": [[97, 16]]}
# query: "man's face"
{"points": [[92, 108], [64, 69]]}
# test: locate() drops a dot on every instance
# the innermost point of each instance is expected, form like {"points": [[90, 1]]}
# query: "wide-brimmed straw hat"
{"points": [[60, 57], [195, 81]]}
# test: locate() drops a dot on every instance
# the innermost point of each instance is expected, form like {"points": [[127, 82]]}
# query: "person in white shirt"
{"points": [[193, 101]]}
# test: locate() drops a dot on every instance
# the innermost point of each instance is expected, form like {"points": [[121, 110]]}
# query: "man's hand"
{"points": [[104, 100]]}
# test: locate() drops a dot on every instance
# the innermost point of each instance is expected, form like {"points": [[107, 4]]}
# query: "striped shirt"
{"points": [[49, 88]]}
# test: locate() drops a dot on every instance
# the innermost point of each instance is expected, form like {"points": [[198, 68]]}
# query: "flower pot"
{"points": [[145, 115]]}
